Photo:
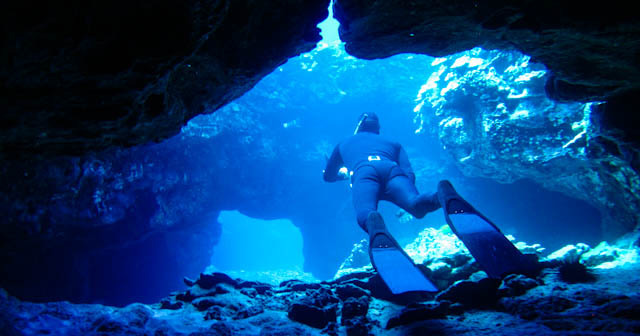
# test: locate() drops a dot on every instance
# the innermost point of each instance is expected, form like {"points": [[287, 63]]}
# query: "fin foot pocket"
{"points": [[395, 267], [496, 255]]}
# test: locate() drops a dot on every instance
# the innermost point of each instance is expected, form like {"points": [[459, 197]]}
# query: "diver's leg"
{"points": [[365, 192], [401, 191]]}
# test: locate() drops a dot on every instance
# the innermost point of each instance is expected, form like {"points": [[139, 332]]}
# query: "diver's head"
{"points": [[368, 122]]}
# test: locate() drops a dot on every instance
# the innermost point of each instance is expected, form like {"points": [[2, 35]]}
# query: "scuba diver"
{"points": [[379, 169]]}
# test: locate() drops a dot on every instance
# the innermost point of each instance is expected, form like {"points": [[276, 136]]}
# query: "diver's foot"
{"points": [[377, 231], [451, 201], [446, 190]]}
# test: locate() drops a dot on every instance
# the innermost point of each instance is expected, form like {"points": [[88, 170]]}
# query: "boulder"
{"points": [[472, 294], [354, 307], [419, 312]]}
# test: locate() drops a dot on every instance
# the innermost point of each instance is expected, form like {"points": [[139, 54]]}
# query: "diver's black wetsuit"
{"points": [[381, 171]]}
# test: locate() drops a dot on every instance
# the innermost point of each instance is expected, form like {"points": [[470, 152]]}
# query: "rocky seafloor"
{"points": [[580, 290]]}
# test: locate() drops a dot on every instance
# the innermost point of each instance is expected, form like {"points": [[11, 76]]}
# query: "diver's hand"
{"points": [[343, 173]]}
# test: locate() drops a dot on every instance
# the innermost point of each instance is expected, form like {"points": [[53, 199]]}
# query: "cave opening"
{"points": [[255, 249], [264, 153]]}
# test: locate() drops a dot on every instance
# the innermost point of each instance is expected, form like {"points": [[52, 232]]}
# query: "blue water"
{"points": [[308, 105], [241, 189], [254, 245]]}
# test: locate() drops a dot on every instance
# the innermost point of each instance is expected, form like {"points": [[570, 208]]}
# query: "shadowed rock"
{"points": [[121, 73], [591, 48]]}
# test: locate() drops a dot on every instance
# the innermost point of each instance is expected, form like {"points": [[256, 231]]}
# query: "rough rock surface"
{"points": [[85, 76], [541, 306], [591, 48], [166, 197], [491, 114]]}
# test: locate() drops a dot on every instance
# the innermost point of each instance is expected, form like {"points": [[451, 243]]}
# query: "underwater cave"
{"points": [[175, 187]]}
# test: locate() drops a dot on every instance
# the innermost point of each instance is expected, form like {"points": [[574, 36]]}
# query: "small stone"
{"points": [[569, 253], [203, 303], [300, 287], [472, 294], [516, 285], [316, 317], [357, 327], [262, 289], [106, 324], [354, 307], [208, 281], [189, 282], [248, 312], [419, 312], [250, 292], [213, 313], [186, 296], [350, 290], [171, 305]]}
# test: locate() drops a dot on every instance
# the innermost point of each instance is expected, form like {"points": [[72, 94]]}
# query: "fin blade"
{"points": [[399, 272], [487, 244]]}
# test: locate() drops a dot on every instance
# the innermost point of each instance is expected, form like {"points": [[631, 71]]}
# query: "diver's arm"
{"points": [[403, 162], [331, 172]]}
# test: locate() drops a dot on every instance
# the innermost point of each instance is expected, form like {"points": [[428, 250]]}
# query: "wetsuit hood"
{"points": [[368, 123]]}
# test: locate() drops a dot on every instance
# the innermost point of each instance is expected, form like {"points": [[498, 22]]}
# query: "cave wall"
{"points": [[262, 155], [491, 114], [106, 75], [83, 76], [591, 48]]}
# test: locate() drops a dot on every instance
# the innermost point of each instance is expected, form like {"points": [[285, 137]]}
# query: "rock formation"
{"points": [[358, 303], [591, 49], [492, 116], [84, 76]]}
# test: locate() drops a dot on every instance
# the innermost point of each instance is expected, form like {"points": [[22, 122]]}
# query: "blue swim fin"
{"points": [[395, 267], [492, 250]]}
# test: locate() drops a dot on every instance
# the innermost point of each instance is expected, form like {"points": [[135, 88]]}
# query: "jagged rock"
{"points": [[118, 73], [250, 292], [350, 291], [331, 329], [480, 294], [608, 306], [170, 304], [204, 303], [419, 312], [516, 284], [354, 307], [186, 296], [600, 254], [625, 307], [358, 326], [539, 307], [282, 330], [108, 326], [569, 253], [491, 114], [189, 282], [214, 313], [317, 317], [299, 286], [259, 287], [591, 50], [317, 309], [249, 311], [208, 281]]}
